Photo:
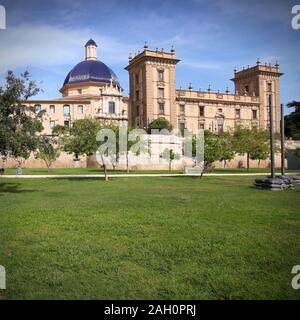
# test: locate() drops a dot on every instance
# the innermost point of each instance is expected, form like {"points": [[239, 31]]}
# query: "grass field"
{"points": [[148, 238], [72, 171]]}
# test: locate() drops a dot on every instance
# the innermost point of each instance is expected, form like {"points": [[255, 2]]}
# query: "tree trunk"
{"points": [[105, 172], [248, 161], [127, 163], [204, 166], [170, 165], [104, 168], [258, 162]]}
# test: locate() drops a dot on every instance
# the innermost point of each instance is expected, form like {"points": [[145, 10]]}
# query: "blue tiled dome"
{"points": [[91, 71]]}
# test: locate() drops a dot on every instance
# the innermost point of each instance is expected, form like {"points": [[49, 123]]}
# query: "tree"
{"points": [[260, 152], [292, 121], [128, 146], [226, 147], [249, 141], [212, 149], [170, 156], [60, 130], [81, 139], [297, 152], [20, 124], [47, 151], [160, 123]]}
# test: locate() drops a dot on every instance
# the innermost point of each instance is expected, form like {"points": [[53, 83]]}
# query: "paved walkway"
{"points": [[133, 175]]}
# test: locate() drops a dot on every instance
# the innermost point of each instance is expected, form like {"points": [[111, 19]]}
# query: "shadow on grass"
{"points": [[79, 179], [12, 188]]}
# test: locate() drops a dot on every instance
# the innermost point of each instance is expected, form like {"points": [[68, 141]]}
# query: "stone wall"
{"points": [[67, 161], [64, 161]]}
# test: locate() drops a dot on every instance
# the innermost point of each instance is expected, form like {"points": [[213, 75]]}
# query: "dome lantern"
{"points": [[91, 70], [91, 50]]}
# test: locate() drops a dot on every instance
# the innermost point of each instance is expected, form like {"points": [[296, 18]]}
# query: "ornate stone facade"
{"points": [[153, 94], [91, 89]]}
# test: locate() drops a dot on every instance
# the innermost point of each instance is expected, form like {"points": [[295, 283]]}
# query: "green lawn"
{"points": [[72, 171], [148, 238]]}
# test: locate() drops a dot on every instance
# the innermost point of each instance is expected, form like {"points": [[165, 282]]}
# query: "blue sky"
{"points": [[210, 38]]}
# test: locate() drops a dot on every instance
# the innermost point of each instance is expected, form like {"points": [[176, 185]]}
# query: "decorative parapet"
{"points": [[217, 96], [181, 93]]}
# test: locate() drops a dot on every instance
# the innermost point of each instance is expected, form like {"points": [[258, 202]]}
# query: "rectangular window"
{"points": [[137, 78], [161, 108], [254, 114], [238, 113], [67, 123], [161, 93], [137, 110], [182, 125], [220, 110], [52, 124], [22, 109], [160, 75], [80, 109], [201, 126], [246, 89], [37, 108], [269, 87], [66, 111], [201, 111], [182, 109], [52, 109], [111, 107], [137, 95]]}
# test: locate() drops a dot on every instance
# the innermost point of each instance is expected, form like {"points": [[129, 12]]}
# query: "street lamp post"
{"points": [[281, 182], [271, 137], [282, 138]]}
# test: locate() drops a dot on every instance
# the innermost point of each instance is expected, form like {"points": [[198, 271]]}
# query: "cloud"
{"points": [[201, 65], [267, 10], [45, 46]]}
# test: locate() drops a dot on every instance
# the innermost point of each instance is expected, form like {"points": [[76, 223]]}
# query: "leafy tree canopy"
{"points": [[20, 124], [292, 121], [252, 142], [160, 123], [48, 151]]}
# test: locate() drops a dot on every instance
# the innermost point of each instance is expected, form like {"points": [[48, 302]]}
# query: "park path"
{"points": [[133, 175]]}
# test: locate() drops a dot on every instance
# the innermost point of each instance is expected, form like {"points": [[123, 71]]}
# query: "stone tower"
{"points": [[152, 82], [261, 81]]}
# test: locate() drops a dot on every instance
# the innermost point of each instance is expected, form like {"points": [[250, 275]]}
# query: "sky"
{"points": [[210, 38]]}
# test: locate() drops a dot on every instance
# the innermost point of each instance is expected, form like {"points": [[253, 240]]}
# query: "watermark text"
{"points": [[2, 278], [296, 18], [2, 17]]}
